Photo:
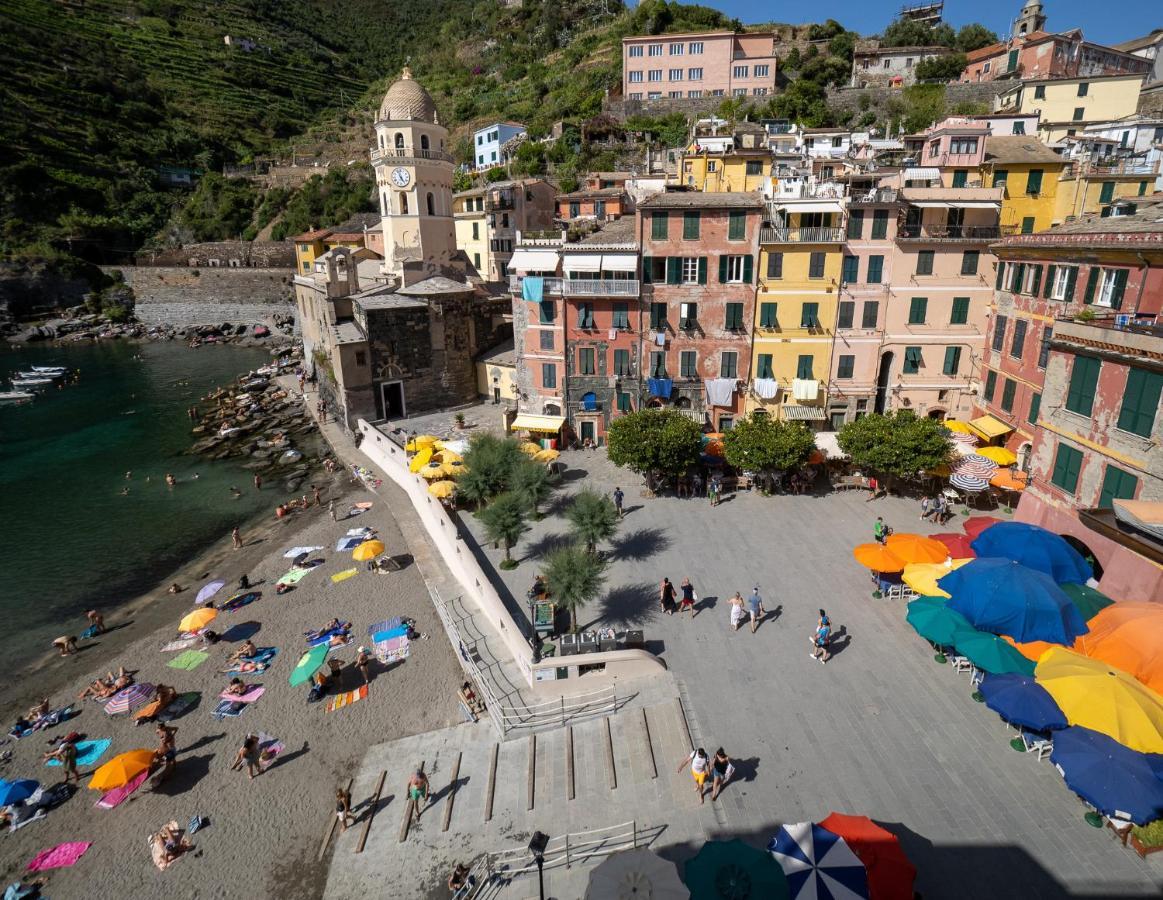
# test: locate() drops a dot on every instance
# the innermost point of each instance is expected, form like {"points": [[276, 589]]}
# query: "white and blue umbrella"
{"points": [[819, 865], [970, 483]]}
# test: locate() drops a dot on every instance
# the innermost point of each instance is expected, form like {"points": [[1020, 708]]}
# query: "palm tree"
{"points": [[593, 517], [473, 486], [530, 482], [575, 576], [504, 521]]}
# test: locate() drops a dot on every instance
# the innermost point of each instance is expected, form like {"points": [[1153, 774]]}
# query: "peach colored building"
{"points": [[1043, 55], [703, 64]]}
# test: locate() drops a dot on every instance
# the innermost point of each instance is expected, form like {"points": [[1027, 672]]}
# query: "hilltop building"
{"points": [[488, 143], [698, 64]]}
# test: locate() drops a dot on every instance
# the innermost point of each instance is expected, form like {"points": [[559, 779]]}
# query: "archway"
{"points": [[682, 403], [423, 142], [882, 378], [937, 415], [431, 205], [1087, 554], [399, 140]]}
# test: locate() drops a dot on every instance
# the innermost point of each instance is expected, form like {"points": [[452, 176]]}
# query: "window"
{"points": [[1079, 112], [657, 364], [764, 369], [816, 265], [804, 366], [545, 339], [870, 314], [739, 92], [694, 95], [675, 74], [1035, 405], [1140, 402], [403, 204], [1028, 225], [855, 224], [658, 316], [775, 265], [712, 165], [688, 315], [694, 74], [990, 385], [624, 402], [879, 223], [654, 75], [585, 315], [1000, 177], [655, 50], [1018, 128], [430, 203], [1039, 92], [621, 315], [754, 167], [695, 47], [969, 260], [918, 307], [585, 361], [737, 223], [1009, 389], [1142, 188], [675, 95], [999, 332], [1067, 465], [676, 49], [1018, 344], [658, 226], [686, 364], [1114, 286], [476, 233], [845, 366], [636, 77], [548, 312], [960, 313], [1034, 182], [850, 270], [690, 225], [1083, 381], [1064, 281], [912, 363], [768, 315], [1106, 192], [810, 315], [476, 261], [846, 314], [962, 145], [728, 364], [1083, 89], [875, 268], [952, 360], [1116, 485], [739, 71], [925, 262], [735, 269], [549, 375], [621, 362], [762, 71], [960, 178], [1044, 346], [636, 50]]}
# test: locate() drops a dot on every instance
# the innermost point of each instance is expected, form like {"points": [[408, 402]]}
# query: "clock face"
{"points": [[400, 177]]}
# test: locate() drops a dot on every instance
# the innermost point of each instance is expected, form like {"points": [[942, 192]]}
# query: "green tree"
{"points": [[897, 445], [974, 36], [593, 518], [504, 522], [491, 462], [473, 487], [761, 443], [941, 68], [530, 482], [654, 442], [575, 577], [461, 180], [924, 104], [911, 33], [804, 102]]}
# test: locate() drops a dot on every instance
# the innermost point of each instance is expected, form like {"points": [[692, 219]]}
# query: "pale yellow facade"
{"points": [[1067, 105], [1090, 193], [726, 172], [497, 382]]}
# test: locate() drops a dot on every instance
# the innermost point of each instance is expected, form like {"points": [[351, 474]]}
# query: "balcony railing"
{"points": [[583, 287], [876, 195], [502, 202], [1110, 167], [949, 232], [390, 153], [770, 234]]}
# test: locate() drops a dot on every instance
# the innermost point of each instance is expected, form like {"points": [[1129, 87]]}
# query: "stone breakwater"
{"points": [[178, 296], [199, 313]]}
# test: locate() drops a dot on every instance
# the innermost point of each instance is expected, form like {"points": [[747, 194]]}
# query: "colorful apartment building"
{"points": [[736, 162], [361, 230], [595, 204], [698, 64], [539, 327], [1068, 105], [488, 219], [488, 143], [698, 286], [1044, 55], [1028, 172]]}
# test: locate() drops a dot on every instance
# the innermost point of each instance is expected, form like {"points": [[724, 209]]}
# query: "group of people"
{"points": [[670, 601], [936, 508], [718, 768]]}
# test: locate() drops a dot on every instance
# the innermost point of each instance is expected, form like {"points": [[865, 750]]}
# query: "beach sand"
{"points": [[263, 835]]}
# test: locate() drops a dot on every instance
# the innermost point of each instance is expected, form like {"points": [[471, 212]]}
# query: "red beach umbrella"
{"points": [[975, 525], [890, 874], [958, 544]]}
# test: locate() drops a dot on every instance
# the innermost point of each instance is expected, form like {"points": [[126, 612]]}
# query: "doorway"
{"points": [[588, 432], [882, 378], [393, 397]]}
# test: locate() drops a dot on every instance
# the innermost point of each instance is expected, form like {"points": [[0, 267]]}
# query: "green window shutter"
{"points": [[774, 265], [875, 269], [623, 402], [952, 360], [702, 270], [850, 269], [960, 177], [969, 261], [1106, 192], [810, 315], [804, 367], [990, 385], [1067, 465], [673, 269], [925, 262], [1035, 405], [767, 315], [1001, 276], [846, 366], [722, 270], [748, 268], [1119, 288], [1034, 182], [870, 314], [658, 226], [879, 223], [690, 225], [764, 366], [846, 314], [1000, 177], [1142, 188], [737, 226], [1116, 485], [918, 307], [1083, 381], [1028, 225], [1140, 402], [960, 314], [1019, 277], [1008, 391], [1071, 281], [1091, 284], [1036, 281], [1050, 273], [912, 364], [647, 263], [856, 223]]}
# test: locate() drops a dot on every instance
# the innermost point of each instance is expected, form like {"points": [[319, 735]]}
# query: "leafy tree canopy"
{"points": [[761, 443], [575, 577], [805, 102], [504, 520], [941, 68], [654, 441], [974, 36], [911, 33], [899, 444], [491, 463]]}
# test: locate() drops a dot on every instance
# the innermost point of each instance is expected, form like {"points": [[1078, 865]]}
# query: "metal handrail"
{"points": [[769, 234], [566, 849], [949, 232], [408, 153]]}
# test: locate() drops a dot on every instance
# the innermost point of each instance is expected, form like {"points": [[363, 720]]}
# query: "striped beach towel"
{"points": [[346, 699], [344, 575]]}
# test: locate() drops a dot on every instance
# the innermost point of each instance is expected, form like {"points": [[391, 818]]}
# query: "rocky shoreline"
{"points": [[85, 326]]}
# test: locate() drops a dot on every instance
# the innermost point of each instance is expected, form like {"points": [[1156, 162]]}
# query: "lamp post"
{"points": [[537, 845]]}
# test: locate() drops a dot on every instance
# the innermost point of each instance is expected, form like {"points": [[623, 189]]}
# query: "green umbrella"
{"points": [[308, 663], [991, 654], [731, 870], [936, 622], [1089, 601]]}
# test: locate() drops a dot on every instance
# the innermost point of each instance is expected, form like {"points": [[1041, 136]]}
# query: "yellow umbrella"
{"points": [[546, 456], [198, 619], [420, 442], [447, 456], [923, 577], [961, 427], [452, 468], [367, 550], [999, 455], [420, 460], [530, 448], [434, 471], [442, 490], [1095, 695], [121, 770]]}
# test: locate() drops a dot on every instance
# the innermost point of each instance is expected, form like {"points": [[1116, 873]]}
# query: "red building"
{"points": [[698, 289], [1040, 54]]}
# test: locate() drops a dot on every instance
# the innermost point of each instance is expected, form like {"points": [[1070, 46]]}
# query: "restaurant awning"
{"points": [[582, 262], [809, 207], [803, 413], [922, 173], [620, 262], [527, 422], [988, 428], [533, 261], [975, 204], [930, 204]]}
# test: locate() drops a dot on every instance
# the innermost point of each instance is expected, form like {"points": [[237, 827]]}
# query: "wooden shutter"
{"points": [[702, 270], [1091, 284], [1071, 281], [1001, 275], [647, 262], [748, 264], [674, 270], [722, 270], [1120, 288], [1036, 281], [1050, 273]]}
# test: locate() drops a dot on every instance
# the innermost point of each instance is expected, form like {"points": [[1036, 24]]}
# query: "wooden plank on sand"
{"points": [[451, 793], [371, 813], [333, 822]]}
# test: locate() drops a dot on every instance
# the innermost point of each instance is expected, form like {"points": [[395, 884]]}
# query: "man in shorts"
{"points": [[755, 608], [418, 791]]}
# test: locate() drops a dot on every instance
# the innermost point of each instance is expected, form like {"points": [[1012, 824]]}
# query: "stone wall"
{"points": [[848, 100], [225, 254], [1151, 101], [171, 295]]}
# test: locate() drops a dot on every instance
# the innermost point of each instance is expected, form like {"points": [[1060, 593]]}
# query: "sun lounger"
{"points": [[1036, 742]]}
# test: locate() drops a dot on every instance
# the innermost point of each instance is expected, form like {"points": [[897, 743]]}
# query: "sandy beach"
{"points": [[263, 835]]}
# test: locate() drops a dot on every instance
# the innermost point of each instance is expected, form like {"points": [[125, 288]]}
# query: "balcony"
{"points": [[770, 234], [583, 287], [391, 154], [876, 195], [949, 233], [499, 202], [1084, 167]]}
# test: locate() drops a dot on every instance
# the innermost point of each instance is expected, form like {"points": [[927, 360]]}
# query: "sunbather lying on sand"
{"points": [[246, 651], [237, 687]]}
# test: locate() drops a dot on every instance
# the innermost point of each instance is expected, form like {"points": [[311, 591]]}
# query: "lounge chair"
{"points": [[1037, 742], [960, 663]]}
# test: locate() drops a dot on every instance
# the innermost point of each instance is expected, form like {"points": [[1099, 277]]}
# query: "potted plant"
{"points": [[459, 419], [1147, 839]]}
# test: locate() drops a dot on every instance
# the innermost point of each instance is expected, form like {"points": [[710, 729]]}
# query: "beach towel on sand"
{"points": [[180, 644], [347, 698], [238, 601], [256, 691], [295, 551], [189, 660], [344, 575], [349, 543], [293, 577], [114, 798], [228, 709], [268, 748], [88, 752], [59, 857]]}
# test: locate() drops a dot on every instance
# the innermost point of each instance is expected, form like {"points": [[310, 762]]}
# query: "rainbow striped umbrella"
{"points": [[968, 482], [130, 698]]}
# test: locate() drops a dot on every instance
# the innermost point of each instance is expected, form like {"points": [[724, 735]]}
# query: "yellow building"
{"points": [[800, 257], [362, 230], [497, 375], [1087, 187], [727, 163], [1067, 105], [1029, 171]]}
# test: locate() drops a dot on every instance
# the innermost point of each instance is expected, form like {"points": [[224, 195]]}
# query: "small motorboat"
{"points": [[15, 396], [30, 382], [36, 374], [58, 369], [229, 432]]}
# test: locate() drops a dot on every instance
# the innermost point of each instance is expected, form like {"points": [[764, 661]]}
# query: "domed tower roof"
{"points": [[406, 100]]}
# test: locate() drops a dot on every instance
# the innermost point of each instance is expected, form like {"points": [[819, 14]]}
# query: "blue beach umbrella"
{"points": [[1021, 701], [15, 791], [1005, 597], [818, 863], [1110, 777], [1035, 548]]}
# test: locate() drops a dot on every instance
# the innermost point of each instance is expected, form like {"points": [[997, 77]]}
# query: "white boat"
{"points": [[60, 369], [15, 396], [31, 382], [41, 375]]}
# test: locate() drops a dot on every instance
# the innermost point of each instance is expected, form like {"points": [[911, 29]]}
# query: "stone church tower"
{"points": [[414, 179], [1032, 18]]}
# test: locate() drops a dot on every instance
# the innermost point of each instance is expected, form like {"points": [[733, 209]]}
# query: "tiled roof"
{"points": [[1148, 217], [315, 235], [703, 200], [592, 192], [620, 231], [1018, 148]]}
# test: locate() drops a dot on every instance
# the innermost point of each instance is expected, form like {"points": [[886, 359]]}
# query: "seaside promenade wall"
{"points": [[181, 295], [619, 664]]}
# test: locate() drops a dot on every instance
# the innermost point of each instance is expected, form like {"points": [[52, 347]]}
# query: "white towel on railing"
{"points": [[719, 391], [766, 388]]}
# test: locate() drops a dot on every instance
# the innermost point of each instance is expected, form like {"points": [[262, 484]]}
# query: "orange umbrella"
{"points": [[1031, 650], [816, 457], [1129, 636], [878, 558], [121, 770], [1009, 481], [913, 548]]}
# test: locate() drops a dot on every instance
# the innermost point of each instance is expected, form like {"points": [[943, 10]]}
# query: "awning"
{"points": [[526, 422], [803, 413], [974, 204], [930, 204], [582, 262], [809, 207], [988, 428], [533, 261], [826, 441], [922, 173], [621, 262]]}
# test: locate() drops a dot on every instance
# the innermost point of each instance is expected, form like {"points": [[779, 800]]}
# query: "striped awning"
{"points": [[798, 413], [922, 173], [537, 423]]}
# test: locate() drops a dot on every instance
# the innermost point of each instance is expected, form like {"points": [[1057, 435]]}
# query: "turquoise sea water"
{"points": [[70, 539]]}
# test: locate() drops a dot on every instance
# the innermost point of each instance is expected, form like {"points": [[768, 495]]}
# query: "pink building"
{"points": [[706, 64], [1043, 55]]}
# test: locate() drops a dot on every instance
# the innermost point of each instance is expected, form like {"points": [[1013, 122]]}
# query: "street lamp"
{"points": [[537, 845]]}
